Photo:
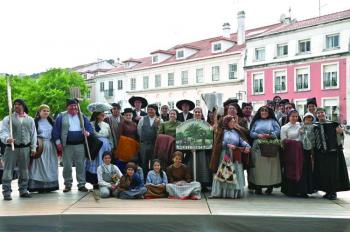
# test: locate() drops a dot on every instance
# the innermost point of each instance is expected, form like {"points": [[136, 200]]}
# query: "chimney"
{"points": [[241, 28], [226, 30]]}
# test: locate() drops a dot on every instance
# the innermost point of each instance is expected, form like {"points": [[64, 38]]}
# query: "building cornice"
{"points": [[184, 87], [279, 63], [174, 63]]}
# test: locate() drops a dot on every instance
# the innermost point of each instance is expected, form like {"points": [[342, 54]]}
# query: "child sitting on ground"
{"points": [[108, 176], [131, 185], [156, 181], [181, 185]]}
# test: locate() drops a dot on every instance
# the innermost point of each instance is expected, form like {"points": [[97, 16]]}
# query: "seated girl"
{"points": [[156, 181], [108, 176], [181, 185], [131, 185]]}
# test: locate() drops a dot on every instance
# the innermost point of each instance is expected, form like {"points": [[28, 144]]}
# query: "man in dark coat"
{"points": [[185, 106], [138, 103]]}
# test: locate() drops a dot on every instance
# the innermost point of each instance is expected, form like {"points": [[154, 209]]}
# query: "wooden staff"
{"points": [[75, 93], [9, 100]]}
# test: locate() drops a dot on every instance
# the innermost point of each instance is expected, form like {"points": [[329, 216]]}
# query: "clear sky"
{"points": [[37, 35]]}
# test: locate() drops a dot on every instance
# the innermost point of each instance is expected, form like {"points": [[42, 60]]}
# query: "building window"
{"points": [[198, 103], [158, 104], [215, 73], [282, 50], [155, 59], [302, 79], [102, 86], [332, 41], [331, 107], [180, 54], [280, 81], [330, 76], [132, 83], [300, 106], [216, 47], [110, 88], [304, 46], [259, 54], [120, 84], [145, 82], [232, 71], [184, 77], [157, 80], [171, 79], [171, 105], [258, 83], [199, 75]]}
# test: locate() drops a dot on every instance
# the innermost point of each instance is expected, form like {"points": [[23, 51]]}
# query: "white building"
{"points": [[91, 70], [184, 71]]}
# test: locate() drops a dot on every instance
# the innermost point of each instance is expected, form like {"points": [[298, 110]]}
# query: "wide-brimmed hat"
{"points": [[141, 99], [190, 103], [230, 101], [311, 101], [244, 104], [308, 114]]}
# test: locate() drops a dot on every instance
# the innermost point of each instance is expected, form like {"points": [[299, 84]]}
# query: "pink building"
{"points": [[300, 60]]}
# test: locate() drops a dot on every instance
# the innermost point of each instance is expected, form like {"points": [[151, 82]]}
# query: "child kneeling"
{"points": [[108, 176], [181, 185], [130, 185]]}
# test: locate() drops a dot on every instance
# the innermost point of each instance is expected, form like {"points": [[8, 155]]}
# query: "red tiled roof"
{"points": [[204, 46], [132, 60], [163, 51], [222, 38], [284, 27]]}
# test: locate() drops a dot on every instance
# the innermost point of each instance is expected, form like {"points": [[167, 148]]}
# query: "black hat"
{"points": [[21, 101], [141, 99], [269, 102], [284, 101], [127, 110], [244, 104], [115, 105], [230, 101], [190, 103], [277, 99], [311, 101], [153, 106], [71, 102]]}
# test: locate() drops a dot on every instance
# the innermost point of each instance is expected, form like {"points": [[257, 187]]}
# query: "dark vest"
{"points": [[148, 132]]}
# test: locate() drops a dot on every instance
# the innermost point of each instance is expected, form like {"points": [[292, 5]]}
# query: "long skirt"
{"points": [[132, 194], [91, 166], [222, 189], [305, 183], [331, 174], [155, 191], [185, 191], [202, 167], [266, 171], [43, 171]]}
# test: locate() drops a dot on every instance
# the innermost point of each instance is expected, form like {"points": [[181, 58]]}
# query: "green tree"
{"points": [[51, 88]]}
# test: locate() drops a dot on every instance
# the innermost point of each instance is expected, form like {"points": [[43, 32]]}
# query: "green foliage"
{"points": [[51, 88]]}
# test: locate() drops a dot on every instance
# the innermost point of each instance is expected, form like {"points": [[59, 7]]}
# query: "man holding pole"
{"points": [[19, 147], [69, 135]]}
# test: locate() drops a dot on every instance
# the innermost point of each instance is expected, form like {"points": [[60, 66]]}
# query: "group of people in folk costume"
{"points": [[133, 153]]}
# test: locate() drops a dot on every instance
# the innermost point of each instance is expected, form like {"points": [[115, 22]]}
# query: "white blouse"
{"points": [[290, 131], [105, 130]]}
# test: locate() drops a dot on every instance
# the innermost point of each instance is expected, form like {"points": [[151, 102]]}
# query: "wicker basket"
{"points": [[269, 149]]}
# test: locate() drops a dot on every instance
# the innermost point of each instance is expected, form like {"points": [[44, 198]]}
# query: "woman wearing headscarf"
{"points": [[103, 132], [43, 171], [266, 170], [229, 179], [296, 161]]}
